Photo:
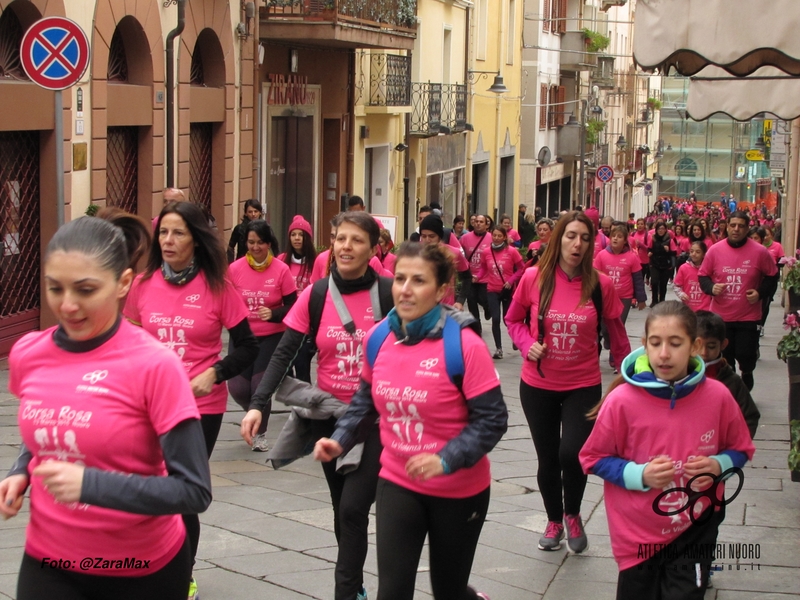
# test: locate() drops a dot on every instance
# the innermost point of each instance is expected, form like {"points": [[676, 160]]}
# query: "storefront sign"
{"points": [[289, 89], [552, 172], [446, 153], [754, 155]]}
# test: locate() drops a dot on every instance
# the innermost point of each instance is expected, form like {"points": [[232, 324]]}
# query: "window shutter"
{"points": [[546, 15], [561, 25], [553, 108], [561, 97], [543, 106]]}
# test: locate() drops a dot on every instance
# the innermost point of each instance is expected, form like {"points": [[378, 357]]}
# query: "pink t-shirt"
{"points": [[741, 269], [340, 355], [683, 243], [188, 319], [641, 242], [460, 265], [513, 235], [388, 262], [301, 276], [535, 245], [262, 289], [686, 278], [635, 425], [600, 242], [103, 409], [500, 267], [320, 269], [619, 268], [421, 409], [474, 246], [776, 251], [572, 360]]}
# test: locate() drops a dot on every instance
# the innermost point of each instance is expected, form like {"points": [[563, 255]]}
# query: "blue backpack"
{"points": [[451, 334]]}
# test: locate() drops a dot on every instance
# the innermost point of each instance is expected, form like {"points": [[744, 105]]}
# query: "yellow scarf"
{"points": [[259, 267]]}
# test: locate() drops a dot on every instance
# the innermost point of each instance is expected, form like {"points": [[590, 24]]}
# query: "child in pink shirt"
{"points": [[664, 426], [687, 285]]}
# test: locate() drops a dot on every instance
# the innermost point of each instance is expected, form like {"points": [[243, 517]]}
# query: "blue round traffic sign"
{"points": [[54, 53], [605, 173]]}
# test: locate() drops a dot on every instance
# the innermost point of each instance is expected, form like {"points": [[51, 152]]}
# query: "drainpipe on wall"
{"points": [[256, 109], [406, 161], [351, 121], [171, 92]]}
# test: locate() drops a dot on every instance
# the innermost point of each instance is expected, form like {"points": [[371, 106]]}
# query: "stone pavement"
{"points": [[269, 534]]}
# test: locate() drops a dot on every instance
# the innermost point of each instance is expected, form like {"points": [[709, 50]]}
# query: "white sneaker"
{"points": [[260, 443]]}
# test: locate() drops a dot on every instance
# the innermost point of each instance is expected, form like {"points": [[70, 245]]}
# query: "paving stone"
{"points": [[220, 583], [236, 466], [596, 590], [216, 542], [263, 565]]}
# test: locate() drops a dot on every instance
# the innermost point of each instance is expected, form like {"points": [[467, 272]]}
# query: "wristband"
{"points": [[445, 466]]}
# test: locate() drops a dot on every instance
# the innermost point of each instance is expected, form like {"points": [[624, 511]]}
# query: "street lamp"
{"points": [[498, 87]]}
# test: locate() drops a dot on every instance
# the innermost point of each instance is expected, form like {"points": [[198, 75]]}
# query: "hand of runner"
{"points": [[717, 289], [326, 449], [537, 351], [752, 296], [424, 466], [250, 425], [204, 383], [658, 472], [62, 480], [12, 492], [264, 313]]}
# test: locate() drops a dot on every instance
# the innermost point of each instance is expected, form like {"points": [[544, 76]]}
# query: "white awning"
{"points": [[770, 90], [738, 35]]}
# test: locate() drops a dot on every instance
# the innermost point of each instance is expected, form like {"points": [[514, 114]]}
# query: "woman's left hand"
{"points": [[204, 383], [702, 465], [264, 313], [507, 286], [424, 466], [62, 480]]}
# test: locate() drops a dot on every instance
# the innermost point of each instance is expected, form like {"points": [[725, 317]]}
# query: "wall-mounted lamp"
{"points": [[498, 87], [401, 147], [469, 127]]}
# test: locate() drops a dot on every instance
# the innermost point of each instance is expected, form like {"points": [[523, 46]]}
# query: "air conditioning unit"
{"points": [[609, 3]]}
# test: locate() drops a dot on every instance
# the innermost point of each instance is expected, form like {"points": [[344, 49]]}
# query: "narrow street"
{"points": [[269, 534]]}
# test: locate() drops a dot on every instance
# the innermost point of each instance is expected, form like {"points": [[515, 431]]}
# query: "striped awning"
{"points": [[768, 90], [738, 35]]}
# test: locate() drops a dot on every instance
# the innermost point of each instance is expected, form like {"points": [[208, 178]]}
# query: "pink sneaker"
{"points": [[576, 536], [553, 534]]}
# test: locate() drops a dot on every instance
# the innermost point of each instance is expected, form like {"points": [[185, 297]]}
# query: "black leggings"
{"points": [[351, 495], [243, 386], [659, 279], [211, 425], [496, 300], [476, 300], [169, 583], [672, 573], [453, 526], [743, 346], [559, 428]]}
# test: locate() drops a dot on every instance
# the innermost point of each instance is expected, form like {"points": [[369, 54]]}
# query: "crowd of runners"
{"points": [[377, 347]]}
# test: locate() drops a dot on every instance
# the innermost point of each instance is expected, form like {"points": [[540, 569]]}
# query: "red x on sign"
{"points": [[55, 53]]}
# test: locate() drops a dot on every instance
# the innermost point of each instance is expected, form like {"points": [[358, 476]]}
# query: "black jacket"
{"points": [[728, 377]]}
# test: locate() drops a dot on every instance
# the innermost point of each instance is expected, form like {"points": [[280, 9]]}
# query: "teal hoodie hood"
{"points": [[637, 371]]}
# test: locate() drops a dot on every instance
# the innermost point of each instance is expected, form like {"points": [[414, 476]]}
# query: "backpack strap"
{"points": [[597, 300], [375, 341], [451, 335], [319, 291], [453, 355]]}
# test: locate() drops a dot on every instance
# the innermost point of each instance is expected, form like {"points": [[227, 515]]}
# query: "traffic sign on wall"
{"points": [[55, 53]]}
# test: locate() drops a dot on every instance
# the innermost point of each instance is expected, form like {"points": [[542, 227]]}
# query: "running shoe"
{"points": [[193, 595], [260, 443], [362, 595], [498, 353], [553, 534], [760, 331], [576, 536]]}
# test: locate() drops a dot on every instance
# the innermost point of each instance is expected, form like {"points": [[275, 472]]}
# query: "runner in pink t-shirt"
{"points": [[640, 243], [112, 446], [436, 426], [475, 243], [514, 238], [501, 268], [431, 230], [661, 426], [184, 299], [300, 255], [560, 378], [738, 274], [622, 265], [338, 336], [687, 284], [269, 291]]}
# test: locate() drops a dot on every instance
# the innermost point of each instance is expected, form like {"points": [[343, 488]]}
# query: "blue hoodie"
{"points": [[636, 370]]}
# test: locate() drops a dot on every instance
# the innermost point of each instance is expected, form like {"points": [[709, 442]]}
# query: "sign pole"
{"points": [[59, 133]]}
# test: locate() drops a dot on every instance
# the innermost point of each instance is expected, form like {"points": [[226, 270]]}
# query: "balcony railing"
{"points": [[389, 80], [438, 108], [397, 14]]}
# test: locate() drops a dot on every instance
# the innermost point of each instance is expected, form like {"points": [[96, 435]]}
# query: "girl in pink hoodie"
{"points": [[663, 432]]}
